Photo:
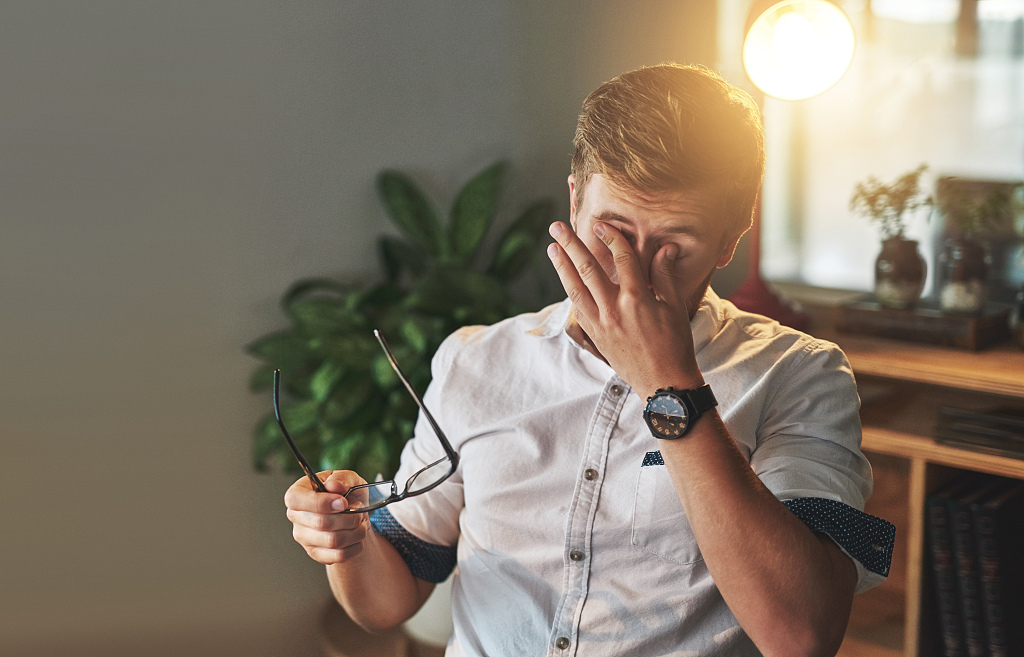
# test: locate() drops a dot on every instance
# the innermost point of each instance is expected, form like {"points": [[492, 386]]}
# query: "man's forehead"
{"points": [[609, 198]]}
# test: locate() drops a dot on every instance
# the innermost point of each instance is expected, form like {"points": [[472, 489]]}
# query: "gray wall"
{"points": [[166, 170]]}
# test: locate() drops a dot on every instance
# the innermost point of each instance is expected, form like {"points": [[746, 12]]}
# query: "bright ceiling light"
{"points": [[798, 48]]}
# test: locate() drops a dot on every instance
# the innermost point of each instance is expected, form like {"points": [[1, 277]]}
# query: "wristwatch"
{"points": [[671, 413]]}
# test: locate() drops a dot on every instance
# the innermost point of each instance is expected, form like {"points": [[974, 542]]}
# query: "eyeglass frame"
{"points": [[395, 496]]}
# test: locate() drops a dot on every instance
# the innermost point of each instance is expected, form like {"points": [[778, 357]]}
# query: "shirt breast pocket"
{"points": [[659, 523]]}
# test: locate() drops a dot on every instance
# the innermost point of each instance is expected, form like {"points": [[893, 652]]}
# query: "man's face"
{"points": [[651, 222]]}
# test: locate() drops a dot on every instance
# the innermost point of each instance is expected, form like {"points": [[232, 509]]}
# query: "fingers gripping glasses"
{"points": [[369, 497]]}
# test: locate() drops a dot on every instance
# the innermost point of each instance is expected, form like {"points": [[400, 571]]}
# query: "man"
{"points": [[576, 526]]}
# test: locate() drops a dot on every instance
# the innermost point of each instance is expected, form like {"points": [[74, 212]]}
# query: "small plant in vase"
{"points": [[899, 269], [970, 213]]}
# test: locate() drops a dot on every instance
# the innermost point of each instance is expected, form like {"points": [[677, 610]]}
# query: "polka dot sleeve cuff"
{"points": [[864, 538], [427, 561]]}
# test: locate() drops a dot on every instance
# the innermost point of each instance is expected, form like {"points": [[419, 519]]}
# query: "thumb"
{"points": [[665, 276]]}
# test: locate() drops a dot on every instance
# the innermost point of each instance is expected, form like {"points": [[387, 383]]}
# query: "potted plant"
{"points": [[971, 211], [899, 269], [342, 403]]}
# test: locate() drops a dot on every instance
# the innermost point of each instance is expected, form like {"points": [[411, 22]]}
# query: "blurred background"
{"points": [[167, 170]]}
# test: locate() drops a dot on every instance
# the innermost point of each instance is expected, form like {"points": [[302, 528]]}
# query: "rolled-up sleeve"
{"points": [[808, 454]]}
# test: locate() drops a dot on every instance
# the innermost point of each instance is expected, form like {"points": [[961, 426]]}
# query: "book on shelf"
{"points": [[997, 431], [975, 535], [965, 559], [999, 534], [947, 589]]}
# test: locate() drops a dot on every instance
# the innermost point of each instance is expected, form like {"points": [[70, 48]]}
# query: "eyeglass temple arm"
{"points": [[452, 454], [310, 473]]}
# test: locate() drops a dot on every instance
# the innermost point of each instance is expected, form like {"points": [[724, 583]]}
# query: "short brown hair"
{"points": [[672, 128]]}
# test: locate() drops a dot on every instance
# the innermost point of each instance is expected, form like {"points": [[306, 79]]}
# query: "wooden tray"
{"points": [[925, 324]]}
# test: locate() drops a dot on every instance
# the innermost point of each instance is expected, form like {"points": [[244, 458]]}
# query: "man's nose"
{"points": [[645, 251]]}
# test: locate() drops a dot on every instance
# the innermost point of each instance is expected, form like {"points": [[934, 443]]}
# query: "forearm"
{"points": [[376, 588], [789, 588]]}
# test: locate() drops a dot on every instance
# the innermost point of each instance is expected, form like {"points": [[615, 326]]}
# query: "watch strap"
{"points": [[702, 399]]}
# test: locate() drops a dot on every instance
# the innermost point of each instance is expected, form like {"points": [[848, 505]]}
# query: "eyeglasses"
{"points": [[369, 497]]}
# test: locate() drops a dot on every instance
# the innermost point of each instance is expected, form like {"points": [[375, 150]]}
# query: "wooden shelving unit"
{"points": [[902, 386]]}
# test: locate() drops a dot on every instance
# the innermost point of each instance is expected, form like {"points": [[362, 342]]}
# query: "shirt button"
{"points": [[561, 643], [576, 555], [590, 474], [616, 390]]}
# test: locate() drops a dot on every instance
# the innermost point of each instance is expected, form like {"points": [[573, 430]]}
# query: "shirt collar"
{"points": [[552, 321]]}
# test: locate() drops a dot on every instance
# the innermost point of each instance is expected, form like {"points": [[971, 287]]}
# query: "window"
{"points": [[927, 85]]}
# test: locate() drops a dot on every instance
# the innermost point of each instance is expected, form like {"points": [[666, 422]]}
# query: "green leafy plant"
{"points": [[343, 405], [978, 209], [888, 205]]}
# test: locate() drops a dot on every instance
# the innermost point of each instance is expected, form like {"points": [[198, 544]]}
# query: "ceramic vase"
{"points": [[963, 276], [899, 274]]}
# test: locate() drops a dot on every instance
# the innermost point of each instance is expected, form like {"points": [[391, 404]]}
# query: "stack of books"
{"points": [[975, 538], [995, 431]]}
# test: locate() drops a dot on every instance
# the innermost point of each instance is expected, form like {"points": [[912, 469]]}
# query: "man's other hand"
{"points": [[328, 536]]}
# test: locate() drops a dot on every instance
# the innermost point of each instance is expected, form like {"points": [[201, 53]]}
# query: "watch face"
{"points": [[668, 416]]}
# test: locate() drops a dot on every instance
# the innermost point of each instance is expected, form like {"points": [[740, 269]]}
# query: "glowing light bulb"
{"points": [[798, 48], [794, 38]]}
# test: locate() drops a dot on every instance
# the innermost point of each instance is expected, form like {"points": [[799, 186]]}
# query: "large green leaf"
{"points": [[383, 374], [474, 210], [266, 442], [376, 459], [411, 211], [520, 243], [324, 380], [355, 350], [444, 291], [414, 336], [535, 219], [380, 297], [299, 416], [367, 416], [348, 395], [282, 350], [308, 286], [342, 452], [513, 255], [262, 379], [325, 316], [479, 290], [397, 255]]}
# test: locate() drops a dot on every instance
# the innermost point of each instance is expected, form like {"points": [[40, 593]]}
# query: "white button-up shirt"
{"points": [[565, 531]]}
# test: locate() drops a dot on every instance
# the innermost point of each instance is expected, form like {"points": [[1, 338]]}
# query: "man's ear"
{"points": [[572, 200], [728, 249]]}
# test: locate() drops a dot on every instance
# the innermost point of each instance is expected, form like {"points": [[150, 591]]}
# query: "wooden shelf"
{"points": [[902, 386], [998, 371], [897, 443], [901, 420]]}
